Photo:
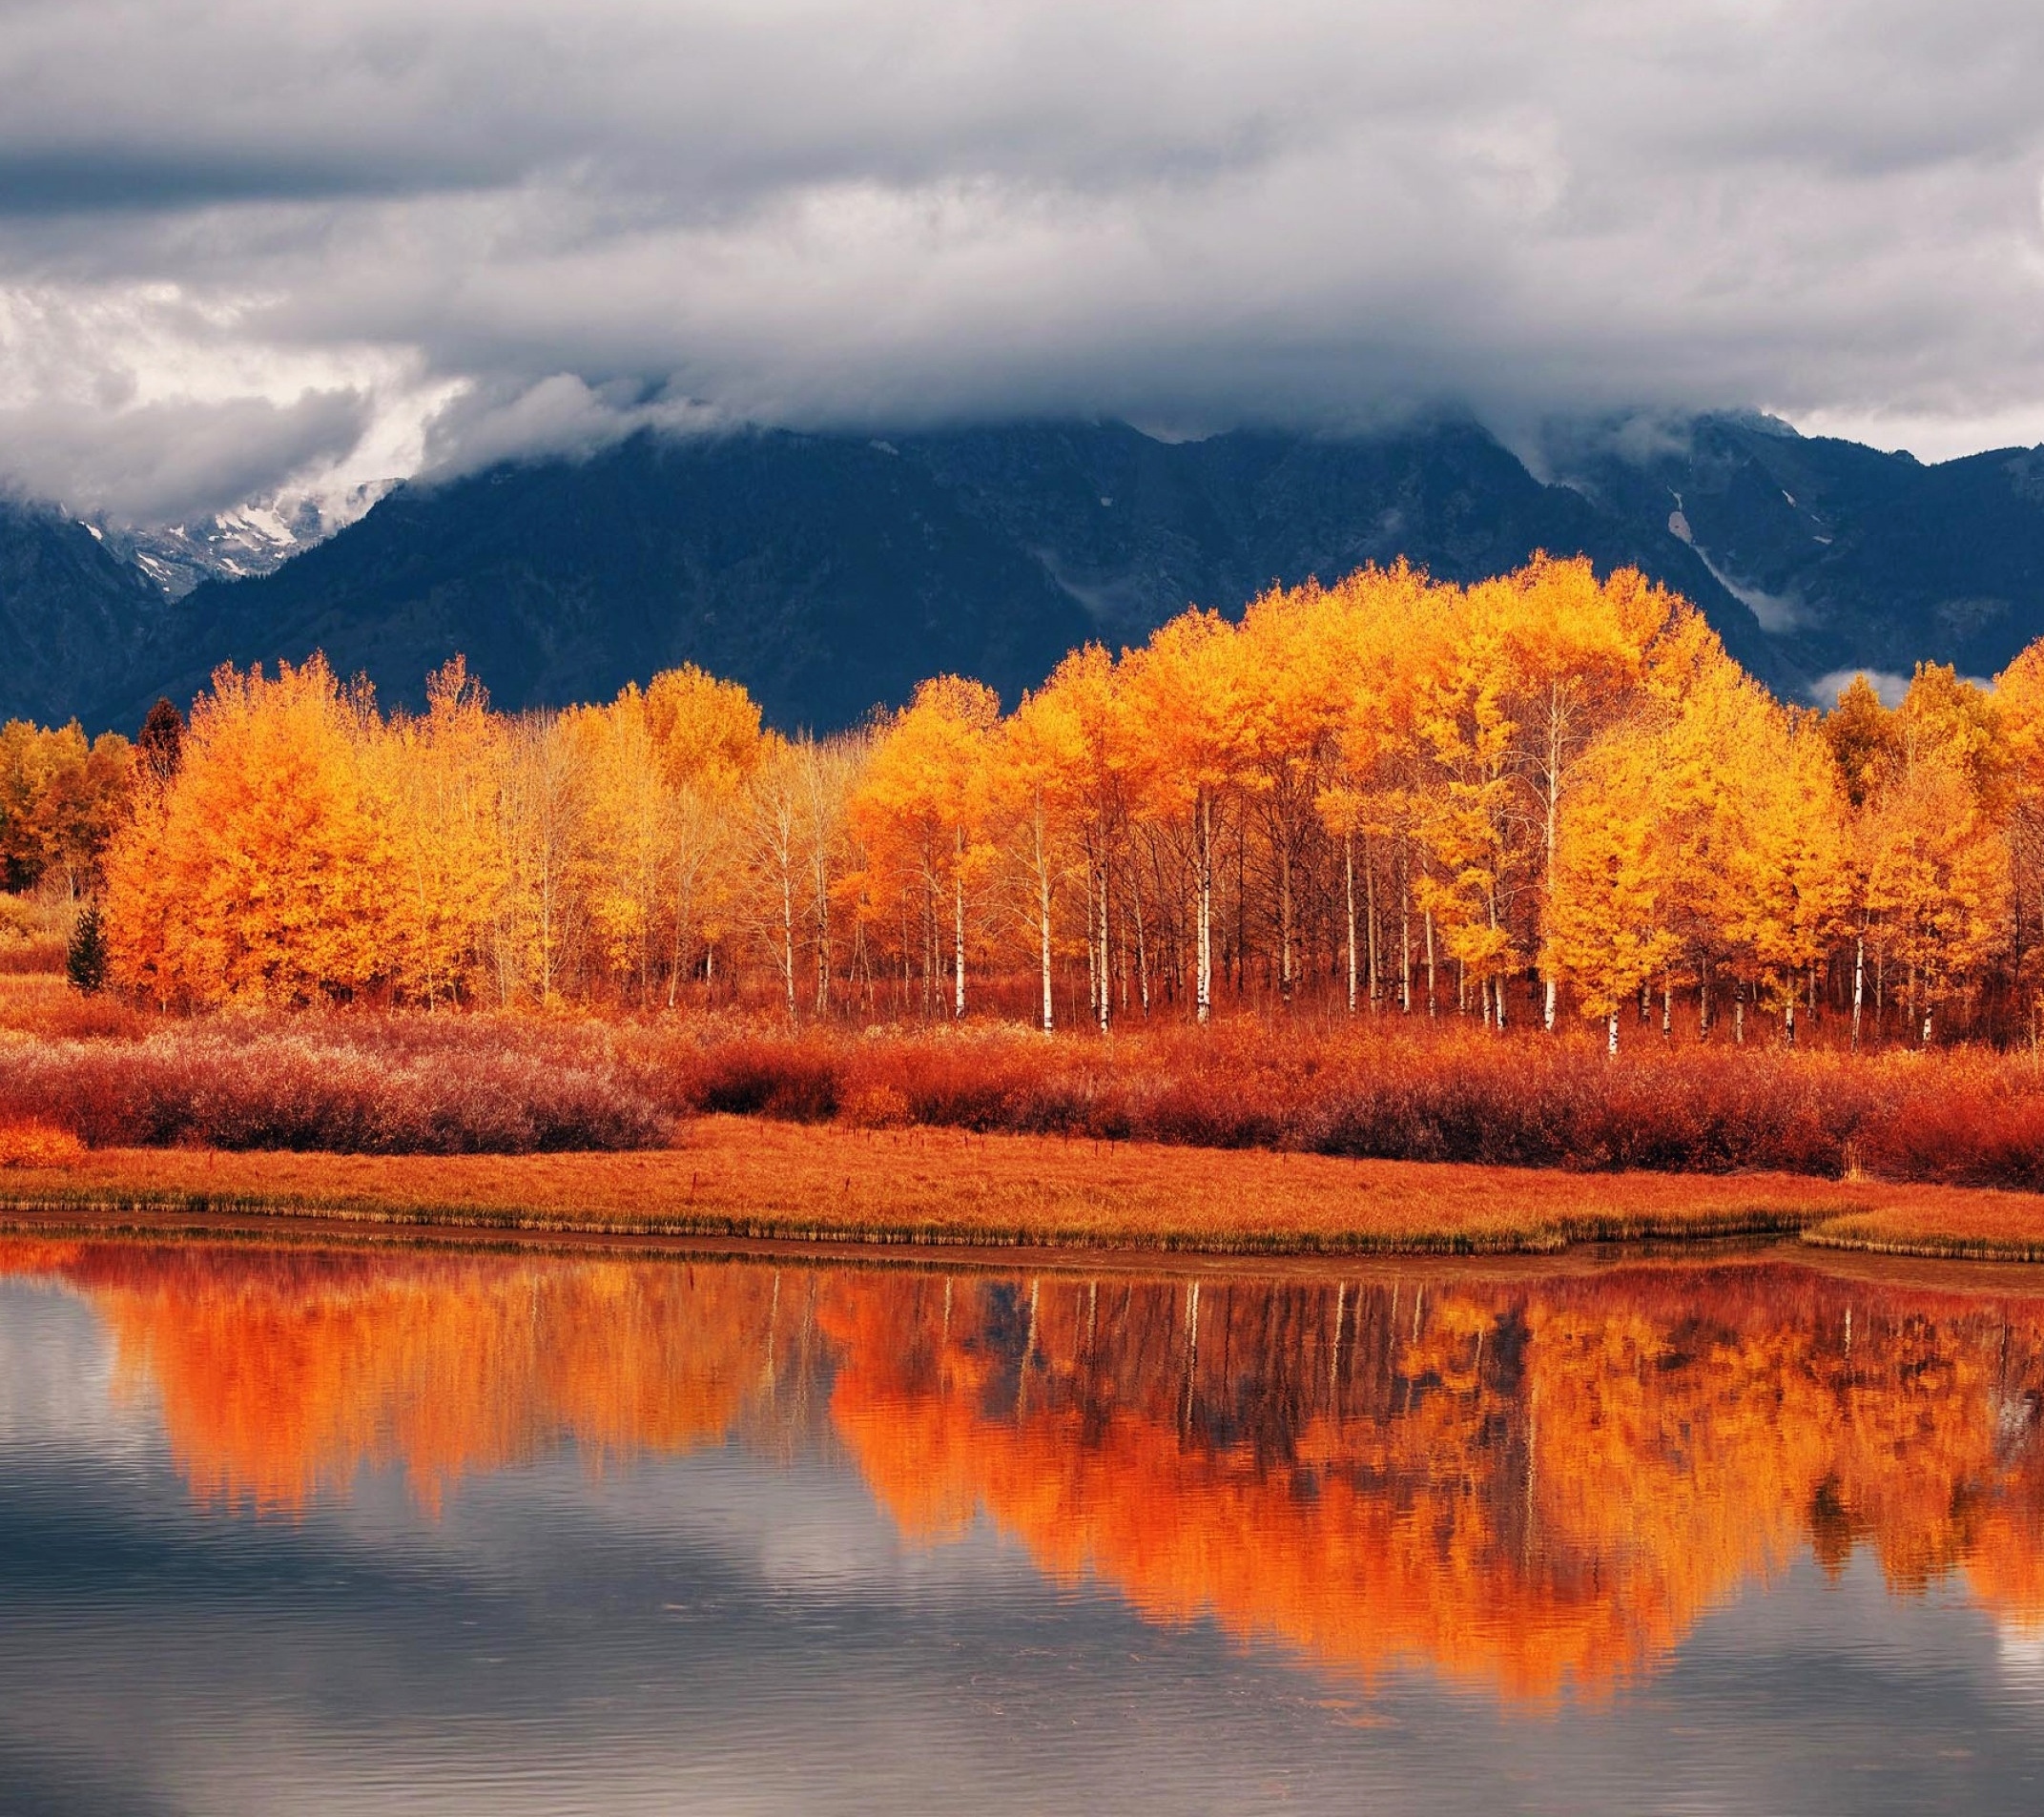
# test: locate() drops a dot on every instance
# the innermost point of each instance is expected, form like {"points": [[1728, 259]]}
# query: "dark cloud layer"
{"points": [[564, 220]]}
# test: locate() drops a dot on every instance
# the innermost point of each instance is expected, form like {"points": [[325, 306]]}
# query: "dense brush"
{"points": [[454, 1085]]}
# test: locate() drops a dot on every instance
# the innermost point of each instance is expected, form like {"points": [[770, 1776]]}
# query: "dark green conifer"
{"points": [[86, 963]]}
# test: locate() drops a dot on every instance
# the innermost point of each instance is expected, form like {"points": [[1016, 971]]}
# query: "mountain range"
{"points": [[829, 572]]}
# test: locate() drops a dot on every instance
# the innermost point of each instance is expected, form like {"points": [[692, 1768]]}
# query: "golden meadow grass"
{"points": [[746, 1178]]}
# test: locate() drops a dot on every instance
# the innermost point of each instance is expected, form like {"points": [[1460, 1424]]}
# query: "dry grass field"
{"points": [[747, 1178]]}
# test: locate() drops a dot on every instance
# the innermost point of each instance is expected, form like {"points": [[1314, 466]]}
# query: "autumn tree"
{"points": [[160, 744], [624, 855], [706, 735], [1033, 790], [1471, 821], [1291, 689], [2019, 701], [61, 797], [1379, 631], [1861, 736], [541, 798], [1086, 697], [920, 806], [1937, 869], [262, 874], [1787, 880], [433, 778], [1575, 654], [1183, 689], [1612, 878], [1715, 720]]}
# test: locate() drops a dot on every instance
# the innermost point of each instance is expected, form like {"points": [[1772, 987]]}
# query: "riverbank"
{"points": [[756, 1179]]}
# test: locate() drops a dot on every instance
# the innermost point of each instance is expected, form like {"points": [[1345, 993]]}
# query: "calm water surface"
{"points": [[288, 1531]]}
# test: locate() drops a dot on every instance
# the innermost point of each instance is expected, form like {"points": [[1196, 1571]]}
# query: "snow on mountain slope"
{"points": [[254, 538]]}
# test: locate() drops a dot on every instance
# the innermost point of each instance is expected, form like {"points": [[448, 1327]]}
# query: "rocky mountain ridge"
{"points": [[829, 572]]}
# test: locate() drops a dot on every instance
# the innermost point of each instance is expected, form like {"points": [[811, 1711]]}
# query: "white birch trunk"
{"points": [[1205, 980], [958, 926], [1347, 855]]}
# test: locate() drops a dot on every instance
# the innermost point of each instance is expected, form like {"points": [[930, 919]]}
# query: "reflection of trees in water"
{"points": [[281, 1373], [1521, 1484]]}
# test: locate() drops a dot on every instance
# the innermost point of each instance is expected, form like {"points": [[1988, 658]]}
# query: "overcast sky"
{"points": [[241, 243]]}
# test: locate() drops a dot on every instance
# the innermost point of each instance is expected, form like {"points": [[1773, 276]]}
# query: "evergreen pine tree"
{"points": [[86, 963]]}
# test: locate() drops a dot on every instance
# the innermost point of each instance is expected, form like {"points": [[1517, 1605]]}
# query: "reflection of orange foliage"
{"points": [[280, 1374], [1525, 1484], [1524, 1487]]}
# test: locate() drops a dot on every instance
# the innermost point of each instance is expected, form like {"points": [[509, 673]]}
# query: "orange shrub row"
{"points": [[362, 1085], [1452, 1094], [411, 1084]]}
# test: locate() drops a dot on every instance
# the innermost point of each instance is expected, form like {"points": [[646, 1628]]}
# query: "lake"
{"points": [[290, 1530]]}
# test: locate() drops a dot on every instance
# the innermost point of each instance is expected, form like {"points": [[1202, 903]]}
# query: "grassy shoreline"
{"points": [[743, 1178]]}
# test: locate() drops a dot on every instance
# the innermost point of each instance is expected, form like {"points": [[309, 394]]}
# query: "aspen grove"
{"points": [[1534, 798]]}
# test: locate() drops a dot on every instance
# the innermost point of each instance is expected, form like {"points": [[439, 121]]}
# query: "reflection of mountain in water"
{"points": [[1521, 1484]]}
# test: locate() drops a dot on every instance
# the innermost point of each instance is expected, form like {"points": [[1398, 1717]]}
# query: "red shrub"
{"points": [[1376, 1087], [795, 1081], [356, 1086], [1955, 1130], [1391, 1090]]}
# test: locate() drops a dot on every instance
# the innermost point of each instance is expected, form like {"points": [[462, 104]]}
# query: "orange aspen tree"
{"points": [[919, 812], [1085, 693], [1861, 736], [707, 736], [2019, 704], [1709, 711], [1938, 877], [1289, 688], [1790, 883], [794, 826], [541, 797], [1937, 867], [828, 770], [1373, 635], [773, 805], [1574, 652], [1340, 806], [262, 875], [435, 776], [1181, 692], [1614, 882], [625, 846], [1036, 760], [31, 761], [61, 800], [1469, 819]]}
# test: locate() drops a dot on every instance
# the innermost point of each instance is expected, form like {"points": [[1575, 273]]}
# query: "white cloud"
{"points": [[1888, 687], [525, 219]]}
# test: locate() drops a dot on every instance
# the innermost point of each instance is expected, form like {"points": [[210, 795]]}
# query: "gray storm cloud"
{"points": [[444, 234]]}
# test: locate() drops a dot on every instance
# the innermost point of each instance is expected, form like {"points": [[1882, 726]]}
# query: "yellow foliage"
{"points": [[1438, 788], [265, 874]]}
